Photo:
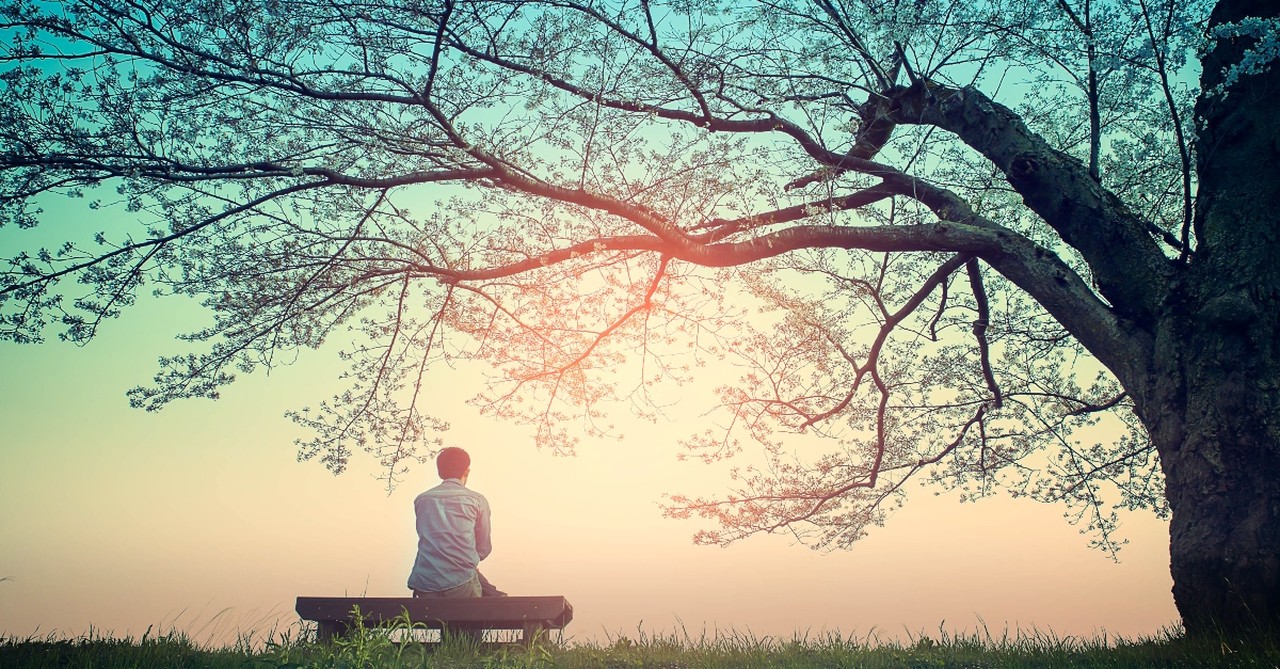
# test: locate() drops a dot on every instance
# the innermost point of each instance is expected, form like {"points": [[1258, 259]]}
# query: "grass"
{"points": [[375, 649]]}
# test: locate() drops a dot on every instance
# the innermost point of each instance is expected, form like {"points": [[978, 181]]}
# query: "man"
{"points": [[453, 534]]}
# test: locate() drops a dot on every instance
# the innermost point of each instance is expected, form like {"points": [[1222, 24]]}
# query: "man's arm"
{"points": [[484, 544]]}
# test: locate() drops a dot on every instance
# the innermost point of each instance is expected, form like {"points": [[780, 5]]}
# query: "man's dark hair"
{"points": [[452, 463]]}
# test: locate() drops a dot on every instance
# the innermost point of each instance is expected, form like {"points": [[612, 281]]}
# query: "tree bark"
{"points": [[1215, 418], [1215, 427]]}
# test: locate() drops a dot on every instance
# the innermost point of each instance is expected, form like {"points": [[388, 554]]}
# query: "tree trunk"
{"points": [[1223, 487], [1216, 422]]}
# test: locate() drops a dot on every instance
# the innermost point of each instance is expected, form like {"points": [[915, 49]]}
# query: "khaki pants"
{"points": [[469, 589]]}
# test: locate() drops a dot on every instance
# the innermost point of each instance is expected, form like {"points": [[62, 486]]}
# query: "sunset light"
{"points": [[849, 320]]}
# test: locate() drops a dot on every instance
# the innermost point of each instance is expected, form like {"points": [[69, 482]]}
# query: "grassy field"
{"points": [[375, 650]]}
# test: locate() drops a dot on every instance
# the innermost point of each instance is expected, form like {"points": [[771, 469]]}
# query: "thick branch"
{"points": [[1128, 265]]}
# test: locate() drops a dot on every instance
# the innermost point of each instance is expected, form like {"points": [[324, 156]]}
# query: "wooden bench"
{"points": [[471, 615]]}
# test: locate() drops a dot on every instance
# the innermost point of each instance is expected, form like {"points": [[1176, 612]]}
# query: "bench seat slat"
{"points": [[480, 613]]}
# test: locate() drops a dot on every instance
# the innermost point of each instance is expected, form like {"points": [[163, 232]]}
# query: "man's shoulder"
{"points": [[468, 492], [450, 488], [440, 490]]}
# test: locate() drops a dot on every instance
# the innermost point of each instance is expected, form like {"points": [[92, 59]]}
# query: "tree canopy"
{"points": [[943, 237]]}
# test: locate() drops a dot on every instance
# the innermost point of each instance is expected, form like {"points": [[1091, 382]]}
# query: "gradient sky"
{"points": [[199, 518]]}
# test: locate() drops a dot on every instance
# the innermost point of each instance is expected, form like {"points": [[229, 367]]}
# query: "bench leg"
{"points": [[328, 629]]}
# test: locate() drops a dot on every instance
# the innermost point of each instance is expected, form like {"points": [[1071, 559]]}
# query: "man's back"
{"points": [[453, 536]]}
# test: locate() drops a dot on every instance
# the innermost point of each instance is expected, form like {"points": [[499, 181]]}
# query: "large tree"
{"points": [[1018, 244]]}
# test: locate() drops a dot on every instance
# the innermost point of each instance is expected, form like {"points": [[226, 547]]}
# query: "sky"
{"points": [[199, 519]]}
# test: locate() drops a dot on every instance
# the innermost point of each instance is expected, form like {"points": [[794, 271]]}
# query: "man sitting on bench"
{"points": [[453, 534]]}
